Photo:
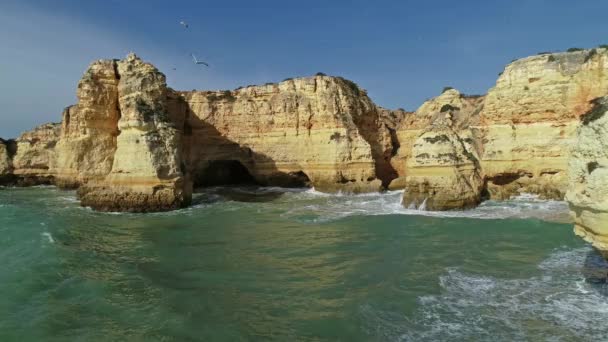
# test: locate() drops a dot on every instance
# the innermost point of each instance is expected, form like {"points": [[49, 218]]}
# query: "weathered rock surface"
{"points": [[588, 173], [443, 170], [320, 130], [89, 129], [463, 110], [529, 119], [132, 144], [7, 150], [34, 155], [147, 169]]}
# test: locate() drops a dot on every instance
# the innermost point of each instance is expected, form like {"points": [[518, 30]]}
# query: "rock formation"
{"points": [[320, 130], [529, 119], [89, 129], [442, 169], [34, 155], [7, 150], [147, 172], [132, 144], [588, 173]]}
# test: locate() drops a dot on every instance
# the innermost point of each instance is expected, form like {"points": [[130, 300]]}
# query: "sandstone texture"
{"points": [[588, 172]]}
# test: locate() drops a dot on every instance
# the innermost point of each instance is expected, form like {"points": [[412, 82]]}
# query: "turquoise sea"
{"points": [[270, 264]]}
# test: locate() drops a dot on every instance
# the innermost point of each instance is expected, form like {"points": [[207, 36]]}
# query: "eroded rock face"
{"points": [[463, 110], [89, 129], [320, 130], [443, 172], [147, 173], [7, 149], [588, 177], [529, 119], [34, 155]]}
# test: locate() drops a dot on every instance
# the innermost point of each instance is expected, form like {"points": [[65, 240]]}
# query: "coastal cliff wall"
{"points": [[320, 130], [131, 143], [588, 173], [529, 119]]}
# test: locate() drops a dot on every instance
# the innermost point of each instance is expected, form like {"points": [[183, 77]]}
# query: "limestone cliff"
{"points": [[89, 129], [34, 155], [529, 119], [147, 172], [320, 130], [7, 150], [443, 171], [588, 173]]}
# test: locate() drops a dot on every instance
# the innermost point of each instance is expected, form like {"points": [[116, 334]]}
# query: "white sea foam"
{"points": [[559, 304], [327, 207], [48, 236]]}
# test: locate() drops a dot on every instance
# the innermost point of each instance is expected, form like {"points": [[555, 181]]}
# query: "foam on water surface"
{"points": [[561, 303]]}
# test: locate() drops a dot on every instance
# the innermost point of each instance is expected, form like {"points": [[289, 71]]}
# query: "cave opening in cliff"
{"points": [[224, 172]]}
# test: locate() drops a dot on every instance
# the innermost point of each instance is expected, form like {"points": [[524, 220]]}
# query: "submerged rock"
{"points": [[588, 172]]}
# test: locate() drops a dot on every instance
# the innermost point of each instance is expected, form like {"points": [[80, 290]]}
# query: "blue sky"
{"points": [[402, 52]]}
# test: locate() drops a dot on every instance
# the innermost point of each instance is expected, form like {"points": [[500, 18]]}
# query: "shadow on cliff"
{"points": [[595, 271], [213, 160]]}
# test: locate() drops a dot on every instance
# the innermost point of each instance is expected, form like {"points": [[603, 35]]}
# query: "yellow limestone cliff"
{"points": [[147, 169], [442, 170], [34, 155], [322, 131], [529, 119], [588, 172]]}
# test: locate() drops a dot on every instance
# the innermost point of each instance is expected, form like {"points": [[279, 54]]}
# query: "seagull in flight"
{"points": [[184, 24], [196, 61]]}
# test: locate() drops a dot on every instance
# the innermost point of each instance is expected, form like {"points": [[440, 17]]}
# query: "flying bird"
{"points": [[196, 61], [184, 24]]}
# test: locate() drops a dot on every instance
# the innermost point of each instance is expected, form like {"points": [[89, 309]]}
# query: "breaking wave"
{"points": [[565, 302], [309, 205]]}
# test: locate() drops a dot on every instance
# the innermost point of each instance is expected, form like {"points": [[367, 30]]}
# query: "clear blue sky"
{"points": [[402, 52]]}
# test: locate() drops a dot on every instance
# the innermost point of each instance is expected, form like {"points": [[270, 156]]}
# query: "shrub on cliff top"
{"points": [[446, 89], [352, 85], [448, 107], [603, 46], [320, 74], [574, 49], [590, 55]]}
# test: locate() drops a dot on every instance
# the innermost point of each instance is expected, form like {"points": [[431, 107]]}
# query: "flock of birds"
{"points": [[194, 59]]}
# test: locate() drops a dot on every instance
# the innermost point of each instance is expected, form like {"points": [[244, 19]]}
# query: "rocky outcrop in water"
{"points": [[147, 172], [442, 170], [588, 173]]}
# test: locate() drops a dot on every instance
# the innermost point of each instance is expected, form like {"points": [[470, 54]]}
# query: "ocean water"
{"points": [[260, 264]]}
